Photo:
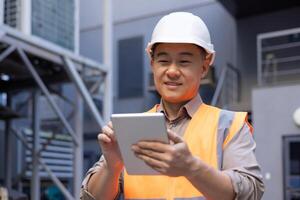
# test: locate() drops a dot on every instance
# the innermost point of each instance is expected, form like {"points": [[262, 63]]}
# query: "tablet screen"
{"points": [[134, 127]]}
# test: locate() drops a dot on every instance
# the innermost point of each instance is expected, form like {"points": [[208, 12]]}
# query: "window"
{"points": [[291, 158], [130, 62]]}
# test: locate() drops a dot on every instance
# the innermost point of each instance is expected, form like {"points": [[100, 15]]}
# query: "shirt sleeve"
{"points": [[240, 164], [84, 194]]}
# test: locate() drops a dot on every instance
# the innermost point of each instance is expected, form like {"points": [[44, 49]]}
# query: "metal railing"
{"points": [[228, 89], [278, 57]]}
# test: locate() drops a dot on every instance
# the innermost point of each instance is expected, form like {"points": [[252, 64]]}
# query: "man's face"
{"points": [[178, 69]]}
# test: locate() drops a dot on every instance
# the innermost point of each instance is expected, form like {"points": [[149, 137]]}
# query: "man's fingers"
{"points": [[152, 154], [109, 132], [174, 137], [156, 164], [154, 146], [110, 125], [103, 138]]}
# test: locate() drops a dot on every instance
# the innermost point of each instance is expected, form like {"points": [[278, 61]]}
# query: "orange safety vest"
{"points": [[207, 134]]}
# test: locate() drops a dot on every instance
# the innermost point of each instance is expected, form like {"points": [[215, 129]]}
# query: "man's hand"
{"points": [[110, 148], [168, 159], [104, 183]]}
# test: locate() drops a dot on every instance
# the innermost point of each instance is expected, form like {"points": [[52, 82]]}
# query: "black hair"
{"points": [[152, 50]]}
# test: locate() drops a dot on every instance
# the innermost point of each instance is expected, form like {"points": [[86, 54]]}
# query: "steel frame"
{"points": [[73, 64]]}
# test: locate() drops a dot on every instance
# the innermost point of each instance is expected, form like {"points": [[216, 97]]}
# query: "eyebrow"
{"points": [[161, 54], [182, 54], [186, 54]]}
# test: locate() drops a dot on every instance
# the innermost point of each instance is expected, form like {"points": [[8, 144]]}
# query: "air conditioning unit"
{"points": [[51, 20]]}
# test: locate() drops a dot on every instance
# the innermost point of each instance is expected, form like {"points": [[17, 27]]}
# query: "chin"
{"points": [[174, 99]]}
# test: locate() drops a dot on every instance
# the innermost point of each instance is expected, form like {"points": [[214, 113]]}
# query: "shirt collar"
{"points": [[193, 105], [190, 108]]}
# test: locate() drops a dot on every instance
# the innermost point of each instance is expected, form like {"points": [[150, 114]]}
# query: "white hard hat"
{"points": [[182, 27]]}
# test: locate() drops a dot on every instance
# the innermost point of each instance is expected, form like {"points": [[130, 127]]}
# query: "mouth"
{"points": [[172, 84]]}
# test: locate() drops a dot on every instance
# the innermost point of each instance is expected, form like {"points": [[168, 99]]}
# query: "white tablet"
{"points": [[134, 127]]}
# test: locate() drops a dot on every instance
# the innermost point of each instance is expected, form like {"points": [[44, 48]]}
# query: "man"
{"points": [[211, 153]]}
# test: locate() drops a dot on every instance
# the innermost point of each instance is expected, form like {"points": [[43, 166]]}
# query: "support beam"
{"points": [[6, 53], [47, 50], [259, 61], [35, 179], [220, 85], [19, 163], [75, 77], [26, 17], [8, 149], [46, 92], [57, 182], [29, 83], [96, 85], [108, 57], [78, 150]]}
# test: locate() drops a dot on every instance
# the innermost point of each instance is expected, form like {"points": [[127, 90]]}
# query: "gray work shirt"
{"points": [[239, 161]]}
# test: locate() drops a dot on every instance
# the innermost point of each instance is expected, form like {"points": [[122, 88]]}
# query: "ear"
{"points": [[206, 65]]}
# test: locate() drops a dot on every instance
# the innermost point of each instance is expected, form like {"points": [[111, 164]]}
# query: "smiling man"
{"points": [[211, 154]]}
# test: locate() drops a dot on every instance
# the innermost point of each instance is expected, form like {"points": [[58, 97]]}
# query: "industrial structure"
{"points": [[39, 65]]}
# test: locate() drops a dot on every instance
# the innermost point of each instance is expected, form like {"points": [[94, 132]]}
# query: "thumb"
{"points": [[174, 137]]}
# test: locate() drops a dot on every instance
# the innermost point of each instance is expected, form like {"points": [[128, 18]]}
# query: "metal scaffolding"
{"points": [[19, 55]]}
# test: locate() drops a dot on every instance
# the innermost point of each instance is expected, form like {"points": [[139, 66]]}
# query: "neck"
{"points": [[172, 109]]}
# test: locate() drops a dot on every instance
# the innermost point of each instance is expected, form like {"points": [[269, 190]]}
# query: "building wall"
{"points": [[124, 10], [248, 29], [273, 108]]}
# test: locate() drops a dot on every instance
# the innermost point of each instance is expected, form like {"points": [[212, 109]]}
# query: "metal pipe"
{"points": [[95, 86], [108, 58], [8, 149], [259, 64], [218, 90], [7, 52], [21, 138], [278, 33], [56, 181], [26, 17], [73, 74], [78, 150], [47, 94], [35, 179]]}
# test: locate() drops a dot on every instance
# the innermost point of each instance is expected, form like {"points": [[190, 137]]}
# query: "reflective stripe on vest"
{"points": [[206, 135]]}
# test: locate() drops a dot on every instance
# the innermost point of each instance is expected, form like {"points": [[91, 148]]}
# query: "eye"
{"points": [[163, 61], [185, 62]]}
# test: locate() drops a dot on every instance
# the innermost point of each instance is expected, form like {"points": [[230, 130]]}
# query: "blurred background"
{"points": [[66, 65]]}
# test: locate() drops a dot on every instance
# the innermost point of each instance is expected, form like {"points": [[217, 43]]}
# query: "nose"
{"points": [[173, 71]]}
